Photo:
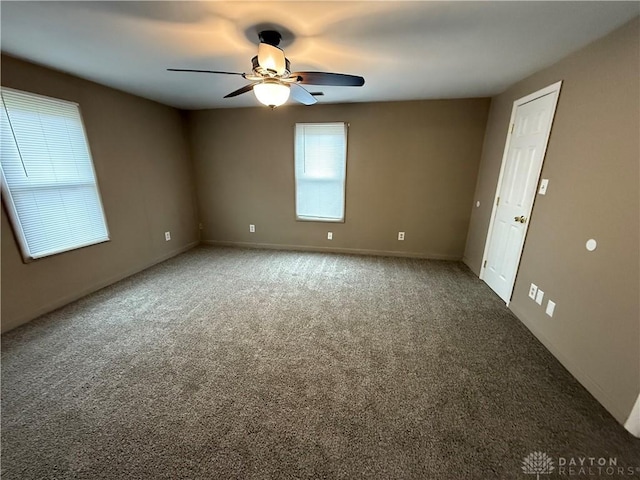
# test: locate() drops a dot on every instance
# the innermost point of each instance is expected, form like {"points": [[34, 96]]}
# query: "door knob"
{"points": [[520, 219]]}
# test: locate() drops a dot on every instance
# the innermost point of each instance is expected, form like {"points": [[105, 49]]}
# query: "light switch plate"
{"points": [[539, 297], [543, 186], [551, 306]]}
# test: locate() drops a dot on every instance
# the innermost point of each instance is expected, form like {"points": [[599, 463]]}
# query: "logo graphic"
{"points": [[537, 463]]}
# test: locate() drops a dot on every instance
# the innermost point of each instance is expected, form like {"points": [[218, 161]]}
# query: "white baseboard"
{"points": [[61, 302], [353, 251], [587, 382]]}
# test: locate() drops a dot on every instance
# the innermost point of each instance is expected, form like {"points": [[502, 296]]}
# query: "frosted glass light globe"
{"points": [[271, 94]]}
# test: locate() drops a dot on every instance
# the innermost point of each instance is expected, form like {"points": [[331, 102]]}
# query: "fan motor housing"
{"points": [[263, 72]]}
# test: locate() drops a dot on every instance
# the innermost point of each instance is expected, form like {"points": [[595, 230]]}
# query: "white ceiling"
{"points": [[405, 50]]}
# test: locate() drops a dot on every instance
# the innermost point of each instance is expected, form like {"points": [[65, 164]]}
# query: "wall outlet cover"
{"points": [[400, 235], [252, 228], [167, 236], [329, 235], [533, 289], [539, 297], [551, 306]]}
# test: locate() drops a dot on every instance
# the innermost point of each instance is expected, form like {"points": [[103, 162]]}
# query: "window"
{"points": [[320, 167], [48, 182]]}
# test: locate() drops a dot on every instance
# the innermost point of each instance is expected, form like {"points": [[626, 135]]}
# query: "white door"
{"points": [[530, 126]]}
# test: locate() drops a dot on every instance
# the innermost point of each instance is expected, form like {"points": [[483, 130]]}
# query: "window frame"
{"points": [[9, 204], [303, 218]]}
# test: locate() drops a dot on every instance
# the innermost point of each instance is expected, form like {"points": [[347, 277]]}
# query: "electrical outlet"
{"points": [[200, 226], [539, 297], [551, 306], [400, 235], [329, 235], [532, 291], [167, 236], [252, 228]]}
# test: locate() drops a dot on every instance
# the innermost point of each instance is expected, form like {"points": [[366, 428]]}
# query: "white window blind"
{"points": [[48, 181], [320, 170]]}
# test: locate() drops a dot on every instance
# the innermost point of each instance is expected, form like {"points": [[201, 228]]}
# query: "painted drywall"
{"points": [[592, 164], [145, 176], [411, 167]]}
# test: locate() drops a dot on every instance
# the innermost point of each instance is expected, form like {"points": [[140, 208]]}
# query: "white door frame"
{"points": [[521, 101]]}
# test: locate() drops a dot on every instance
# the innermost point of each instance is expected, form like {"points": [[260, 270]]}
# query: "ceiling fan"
{"points": [[273, 82]]}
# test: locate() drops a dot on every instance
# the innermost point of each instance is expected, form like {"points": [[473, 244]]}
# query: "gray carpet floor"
{"points": [[229, 363]]}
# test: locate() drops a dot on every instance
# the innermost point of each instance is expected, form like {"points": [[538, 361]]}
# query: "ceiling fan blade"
{"points": [[240, 91], [301, 95], [324, 78], [203, 71]]}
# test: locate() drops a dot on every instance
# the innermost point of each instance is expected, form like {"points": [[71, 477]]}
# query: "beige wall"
{"points": [[145, 177], [592, 164], [411, 167]]}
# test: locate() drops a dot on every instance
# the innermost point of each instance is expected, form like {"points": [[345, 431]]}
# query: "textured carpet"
{"points": [[228, 363]]}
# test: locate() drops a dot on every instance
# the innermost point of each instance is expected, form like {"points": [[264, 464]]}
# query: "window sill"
{"points": [[320, 219]]}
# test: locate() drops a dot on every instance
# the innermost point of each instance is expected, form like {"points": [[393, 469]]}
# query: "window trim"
{"points": [[10, 208], [295, 178]]}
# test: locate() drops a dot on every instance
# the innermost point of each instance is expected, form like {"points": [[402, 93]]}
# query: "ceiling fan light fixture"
{"points": [[272, 94], [271, 79]]}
